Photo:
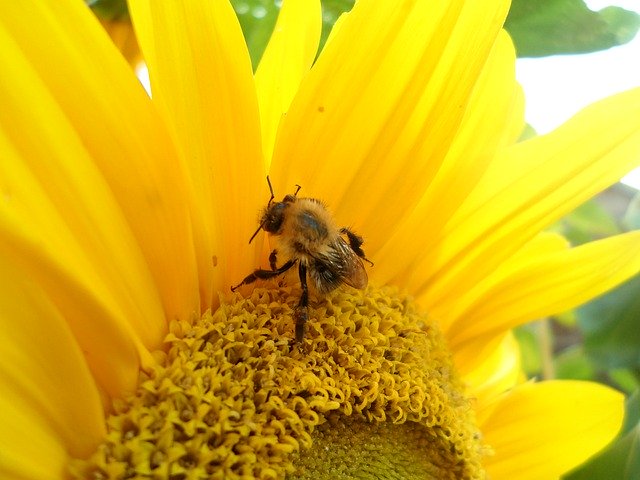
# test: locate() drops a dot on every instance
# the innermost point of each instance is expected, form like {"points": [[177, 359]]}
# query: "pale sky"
{"points": [[557, 87]]}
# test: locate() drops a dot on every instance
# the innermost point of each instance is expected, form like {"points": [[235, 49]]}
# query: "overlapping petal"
{"points": [[50, 404], [583, 417], [380, 105], [544, 245], [529, 186], [202, 81], [488, 375], [60, 223], [59, 264], [142, 219], [123, 37], [553, 283], [493, 118], [59, 51], [286, 60]]}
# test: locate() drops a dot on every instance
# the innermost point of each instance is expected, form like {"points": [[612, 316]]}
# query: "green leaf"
{"points": [[331, 10], [631, 218], [109, 9], [258, 18], [551, 27], [527, 337], [632, 416], [527, 133], [573, 364], [610, 325], [621, 460], [624, 379], [588, 222], [566, 319]]}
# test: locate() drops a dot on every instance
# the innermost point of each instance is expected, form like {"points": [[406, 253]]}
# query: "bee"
{"points": [[306, 234]]}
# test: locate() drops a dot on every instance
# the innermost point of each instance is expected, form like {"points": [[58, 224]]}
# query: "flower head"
{"points": [[124, 218]]}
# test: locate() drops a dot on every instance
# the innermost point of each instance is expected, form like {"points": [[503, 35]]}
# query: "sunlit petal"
{"points": [[377, 106], [491, 109], [35, 235], [450, 313], [498, 370], [286, 60], [202, 81], [528, 187], [541, 430], [50, 404], [121, 132], [550, 284]]}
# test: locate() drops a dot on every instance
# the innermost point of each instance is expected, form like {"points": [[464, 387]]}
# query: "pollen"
{"points": [[369, 393]]}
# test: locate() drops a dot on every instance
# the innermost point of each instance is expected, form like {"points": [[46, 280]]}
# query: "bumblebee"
{"points": [[306, 234]]}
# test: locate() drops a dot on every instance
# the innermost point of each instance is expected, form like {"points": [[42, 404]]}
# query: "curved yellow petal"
{"points": [[58, 51], [202, 81], [499, 370], [452, 309], [544, 429], [553, 283], [42, 242], [51, 407], [286, 60], [493, 116], [529, 186], [380, 103]]}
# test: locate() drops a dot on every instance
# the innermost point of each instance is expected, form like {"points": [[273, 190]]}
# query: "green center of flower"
{"points": [[235, 396]]}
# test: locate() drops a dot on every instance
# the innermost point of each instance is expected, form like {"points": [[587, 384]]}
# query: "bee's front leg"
{"points": [[301, 314], [273, 260], [260, 274]]}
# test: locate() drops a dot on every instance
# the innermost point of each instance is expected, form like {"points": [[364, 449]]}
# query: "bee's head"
{"points": [[273, 215]]}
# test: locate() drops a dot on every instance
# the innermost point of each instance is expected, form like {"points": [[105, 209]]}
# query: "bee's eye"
{"points": [[273, 217]]}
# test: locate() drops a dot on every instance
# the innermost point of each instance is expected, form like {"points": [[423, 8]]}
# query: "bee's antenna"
{"points": [[254, 235], [270, 200], [297, 190], [268, 203]]}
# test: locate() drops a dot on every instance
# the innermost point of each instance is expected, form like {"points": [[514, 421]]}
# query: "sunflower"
{"points": [[125, 220]]}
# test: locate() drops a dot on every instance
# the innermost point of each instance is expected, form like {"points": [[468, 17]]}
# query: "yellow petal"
{"points": [[380, 104], [123, 37], [450, 311], [42, 243], [63, 54], [498, 370], [51, 407], [202, 81], [543, 430], [287, 58], [528, 187], [492, 118], [552, 283]]}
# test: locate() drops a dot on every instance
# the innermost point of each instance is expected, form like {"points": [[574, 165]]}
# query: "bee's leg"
{"points": [[301, 314], [260, 274], [355, 242], [273, 259]]}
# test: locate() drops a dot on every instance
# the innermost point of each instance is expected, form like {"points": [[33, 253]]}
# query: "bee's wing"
{"points": [[351, 269]]}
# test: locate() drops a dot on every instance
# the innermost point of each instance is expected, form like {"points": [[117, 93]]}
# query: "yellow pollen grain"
{"points": [[233, 396]]}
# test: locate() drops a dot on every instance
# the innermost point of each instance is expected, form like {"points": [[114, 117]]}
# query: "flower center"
{"points": [[235, 396]]}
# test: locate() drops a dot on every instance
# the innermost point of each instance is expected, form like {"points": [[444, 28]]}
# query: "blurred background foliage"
{"points": [[599, 341]]}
